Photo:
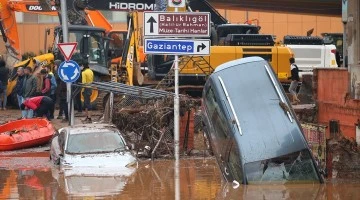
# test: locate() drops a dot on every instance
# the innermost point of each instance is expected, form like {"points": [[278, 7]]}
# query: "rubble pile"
{"points": [[144, 123], [345, 157]]}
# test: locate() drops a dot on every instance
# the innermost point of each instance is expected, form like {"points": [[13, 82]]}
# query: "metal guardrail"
{"points": [[123, 89]]}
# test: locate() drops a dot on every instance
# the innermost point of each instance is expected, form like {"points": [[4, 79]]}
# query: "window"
{"points": [[48, 19], [216, 115], [295, 167], [30, 18], [210, 101], [19, 17], [234, 163], [220, 123], [115, 16], [97, 52], [95, 143]]}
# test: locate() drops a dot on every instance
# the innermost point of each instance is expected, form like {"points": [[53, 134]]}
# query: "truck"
{"points": [[311, 52]]}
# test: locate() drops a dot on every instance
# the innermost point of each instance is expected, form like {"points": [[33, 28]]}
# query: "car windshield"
{"points": [[296, 167], [94, 143]]}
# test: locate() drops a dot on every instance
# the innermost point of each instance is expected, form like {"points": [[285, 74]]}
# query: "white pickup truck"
{"points": [[311, 52]]}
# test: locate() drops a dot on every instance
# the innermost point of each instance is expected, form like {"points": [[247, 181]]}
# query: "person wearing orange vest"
{"points": [[42, 105]]}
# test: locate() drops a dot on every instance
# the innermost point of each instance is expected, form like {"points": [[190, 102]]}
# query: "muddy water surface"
{"points": [[26, 175]]}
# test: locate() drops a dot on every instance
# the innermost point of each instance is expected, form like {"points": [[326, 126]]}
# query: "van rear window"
{"points": [[296, 167]]}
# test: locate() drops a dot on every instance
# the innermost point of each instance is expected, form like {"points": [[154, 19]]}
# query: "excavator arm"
{"points": [[131, 60], [9, 30], [8, 26]]}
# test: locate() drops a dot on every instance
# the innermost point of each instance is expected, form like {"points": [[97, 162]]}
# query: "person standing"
{"points": [[46, 86], [58, 89], [294, 80], [63, 100], [53, 83], [78, 103], [18, 89], [29, 89], [4, 77], [87, 78], [42, 105], [47, 90]]}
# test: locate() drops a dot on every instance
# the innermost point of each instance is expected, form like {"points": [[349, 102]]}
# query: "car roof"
{"points": [[237, 62], [267, 130], [90, 128]]}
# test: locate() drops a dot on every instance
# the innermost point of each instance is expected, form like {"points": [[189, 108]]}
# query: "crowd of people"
{"points": [[37, 95]]}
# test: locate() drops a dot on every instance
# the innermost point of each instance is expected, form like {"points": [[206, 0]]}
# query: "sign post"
{"points": [[69, 71], [177, 25], [65, 30], [176, 122]]}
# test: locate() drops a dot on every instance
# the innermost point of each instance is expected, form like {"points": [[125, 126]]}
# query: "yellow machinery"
{"points": [[41, 61], [129, 71], [277, 56], [235, 41]]}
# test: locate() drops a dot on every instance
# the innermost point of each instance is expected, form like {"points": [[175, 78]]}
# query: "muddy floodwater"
{"points": [[26, 175]]}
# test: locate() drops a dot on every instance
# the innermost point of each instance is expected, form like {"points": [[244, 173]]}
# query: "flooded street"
{"points": [[25, 175]]}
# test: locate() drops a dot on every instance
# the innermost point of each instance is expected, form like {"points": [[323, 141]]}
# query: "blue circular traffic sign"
{"points": [[69, 71]]}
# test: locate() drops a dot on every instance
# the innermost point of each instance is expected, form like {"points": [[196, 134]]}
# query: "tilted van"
{"points": [[252, 128]]}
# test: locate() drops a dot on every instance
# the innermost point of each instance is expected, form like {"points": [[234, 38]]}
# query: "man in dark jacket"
{"points": [[18, 89], [29, 88], [63, 102], [4, 77], [294, 80]]}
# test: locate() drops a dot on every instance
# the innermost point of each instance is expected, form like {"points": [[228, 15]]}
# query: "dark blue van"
{"points": [[252, 128]]}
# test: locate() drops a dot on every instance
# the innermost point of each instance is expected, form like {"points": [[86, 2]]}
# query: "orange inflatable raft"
{"points": [[25, 133]]}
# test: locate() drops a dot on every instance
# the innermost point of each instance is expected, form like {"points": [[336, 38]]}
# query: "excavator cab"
{"points": [[91, 46], [115, 44]]}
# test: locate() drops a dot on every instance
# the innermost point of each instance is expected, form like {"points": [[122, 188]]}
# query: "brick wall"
{"points": [[331, 88]]}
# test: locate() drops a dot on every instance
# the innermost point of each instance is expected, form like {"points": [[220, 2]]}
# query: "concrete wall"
{"points": [[334, 101], [353, 43], [32, 35]]}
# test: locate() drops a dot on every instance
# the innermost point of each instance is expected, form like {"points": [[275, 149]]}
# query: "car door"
{"points": [[233, 169], [217, 125]]}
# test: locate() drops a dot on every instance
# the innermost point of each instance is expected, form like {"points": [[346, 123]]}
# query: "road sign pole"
{"points": [[176, 106], [65, 31], [176, 126]]}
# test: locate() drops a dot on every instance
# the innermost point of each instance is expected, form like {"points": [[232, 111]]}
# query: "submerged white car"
{"points": [[90, 145]]}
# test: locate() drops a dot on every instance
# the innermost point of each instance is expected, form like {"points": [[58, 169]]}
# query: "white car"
{"points": [[90, 146]]}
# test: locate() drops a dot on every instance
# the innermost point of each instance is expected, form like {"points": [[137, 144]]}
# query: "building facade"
{"points": [[33, 38]]}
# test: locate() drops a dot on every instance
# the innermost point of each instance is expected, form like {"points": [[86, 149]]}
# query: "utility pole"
{"points": [[65, 32]]}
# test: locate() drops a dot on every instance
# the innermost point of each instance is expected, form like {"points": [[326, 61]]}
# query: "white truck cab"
{"points": [[311, 52]]}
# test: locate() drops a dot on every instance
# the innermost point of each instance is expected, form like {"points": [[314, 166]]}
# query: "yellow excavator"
{"points": [[229, 42]]}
